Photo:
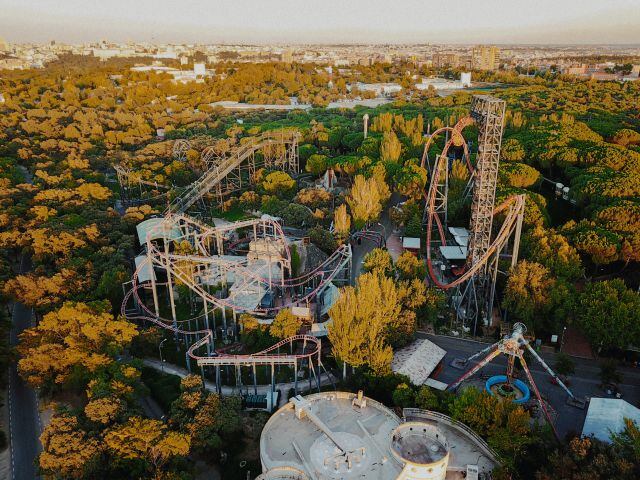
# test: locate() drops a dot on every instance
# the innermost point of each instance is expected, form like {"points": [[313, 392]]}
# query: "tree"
{"points": [[519, 175], [554, 251], [361, 316], [390, 148], [76, 335], [379, 175], [609, 372], [207, 418], [324, 239], [364, 201], [427, 399], [147, 441], [626, 137], [341, 223], [588, 458], [609, 314], [564, 364], [527, 292], [279, 183], [505, 425], [512, 151], [628, 442], [378, 259], [403, 396], [285, 325], [409, 266], [316, 164], [411, 180], [104, 410], [68, 451]]}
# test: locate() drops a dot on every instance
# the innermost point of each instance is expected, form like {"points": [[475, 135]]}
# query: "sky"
{"points": [[323, 21]]}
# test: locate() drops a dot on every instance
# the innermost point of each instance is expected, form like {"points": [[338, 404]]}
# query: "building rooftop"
{"points": [[606, 416], [340, 435], [412, 243], [418, 360]]}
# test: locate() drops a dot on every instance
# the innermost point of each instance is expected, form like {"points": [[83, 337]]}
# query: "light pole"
{"points": [[384, 229], [161, 359], [564, 329]]}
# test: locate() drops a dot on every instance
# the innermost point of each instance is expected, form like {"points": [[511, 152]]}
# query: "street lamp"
{"points": [[161, 359], [564, 329], [384, 229]]}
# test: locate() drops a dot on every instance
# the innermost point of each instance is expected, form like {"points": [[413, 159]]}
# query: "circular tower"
{"points": [[423, 449]]}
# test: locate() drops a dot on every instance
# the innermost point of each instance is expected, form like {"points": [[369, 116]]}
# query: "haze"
{"points": [[329, 21]]}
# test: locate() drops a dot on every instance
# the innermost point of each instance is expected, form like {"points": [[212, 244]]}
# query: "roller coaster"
{"points": [[226, 174], [474, 284], [189, 252], [253, 276], [226, 170]]}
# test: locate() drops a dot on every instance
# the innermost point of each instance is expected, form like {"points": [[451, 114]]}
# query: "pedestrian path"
{"points": [[303, 385]]}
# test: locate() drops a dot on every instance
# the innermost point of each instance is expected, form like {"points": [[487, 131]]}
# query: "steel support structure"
{"points": [[488, 113], [230, 173], [513, 346]]}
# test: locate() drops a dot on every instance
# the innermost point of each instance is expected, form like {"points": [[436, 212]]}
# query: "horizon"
{"points": [[586, 23]]}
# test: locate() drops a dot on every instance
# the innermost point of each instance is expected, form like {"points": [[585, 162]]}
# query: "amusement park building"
{"points": [[340, 435]]}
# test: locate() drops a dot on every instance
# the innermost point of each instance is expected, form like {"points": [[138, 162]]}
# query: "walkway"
{"points": [[303, 385]]}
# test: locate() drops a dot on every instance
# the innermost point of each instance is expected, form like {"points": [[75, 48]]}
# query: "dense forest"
{"points": [[64, 128]]}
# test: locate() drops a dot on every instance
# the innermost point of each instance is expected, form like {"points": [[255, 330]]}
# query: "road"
{"points": [[385, 227], [24, 415], [583, 383]]}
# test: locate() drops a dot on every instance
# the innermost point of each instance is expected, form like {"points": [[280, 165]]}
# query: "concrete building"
{"points": [[418, 360], [606, 416], [439, 83], [441, 60], [380, 89], [340, 435], [486, 57], [286, 56], [199, 69]]}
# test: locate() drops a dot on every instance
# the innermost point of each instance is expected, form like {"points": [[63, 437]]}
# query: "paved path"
{"points": [[24, 416], [303, 385], [583, 383]]}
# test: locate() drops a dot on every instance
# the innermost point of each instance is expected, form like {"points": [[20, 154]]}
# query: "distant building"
{"points": [[380, 89], [287, 56], [439, 83], [199, 69], [486, 57], [576, 69], [107, 53], [441, 60], [465, 79], [4, 46]]}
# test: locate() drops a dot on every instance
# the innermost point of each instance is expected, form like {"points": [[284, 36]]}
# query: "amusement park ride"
{"points": [[180, 249], [474, 287], [513, 346]]}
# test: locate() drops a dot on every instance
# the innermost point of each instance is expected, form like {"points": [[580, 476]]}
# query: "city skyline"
{"points": [[286, 21]]}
